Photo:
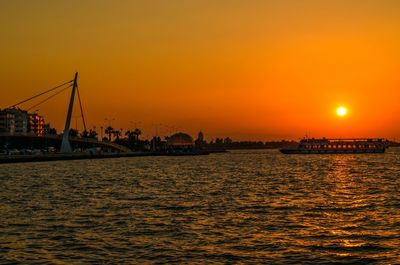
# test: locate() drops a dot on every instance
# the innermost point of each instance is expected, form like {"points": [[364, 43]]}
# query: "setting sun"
{"points": [[341, 111]]}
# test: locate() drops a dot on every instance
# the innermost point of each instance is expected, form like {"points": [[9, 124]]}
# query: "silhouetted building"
{"points": [[15, 121], [200, 136], [36, 124], [180, 141], [20, 120], [7, 122], [200, 143]]}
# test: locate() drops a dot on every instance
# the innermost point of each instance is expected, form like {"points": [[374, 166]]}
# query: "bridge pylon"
{"points": [[65, 145]]}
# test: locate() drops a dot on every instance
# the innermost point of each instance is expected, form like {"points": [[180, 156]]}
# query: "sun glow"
{"points": [[341, 111]]}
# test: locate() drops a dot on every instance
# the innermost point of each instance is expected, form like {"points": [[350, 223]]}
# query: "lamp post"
{"points": [[155, 125], [135, 124], [109, 121]]}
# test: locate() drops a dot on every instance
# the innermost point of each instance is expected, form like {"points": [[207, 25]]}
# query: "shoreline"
{"points": [[9, 159]]}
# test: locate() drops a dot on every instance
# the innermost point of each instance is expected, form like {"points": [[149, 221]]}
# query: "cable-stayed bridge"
{"points": [[65, 141]]}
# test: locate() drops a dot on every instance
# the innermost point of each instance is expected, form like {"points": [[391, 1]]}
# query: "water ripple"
{"points": [[240, 207]]}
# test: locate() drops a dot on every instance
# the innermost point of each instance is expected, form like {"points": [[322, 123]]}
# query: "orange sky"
{"points": [[262, 70]]}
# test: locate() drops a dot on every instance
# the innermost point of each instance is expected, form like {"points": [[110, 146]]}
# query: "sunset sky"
{"points": [[257, 70]]}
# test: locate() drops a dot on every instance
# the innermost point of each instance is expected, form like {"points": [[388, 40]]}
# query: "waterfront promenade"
{"points": [[82, 156]]}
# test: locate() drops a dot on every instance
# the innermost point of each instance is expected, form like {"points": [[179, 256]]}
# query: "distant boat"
{"points": [[338, 146]]}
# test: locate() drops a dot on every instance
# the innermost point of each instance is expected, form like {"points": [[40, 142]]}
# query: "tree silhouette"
{"points": [[52, 131], [92, 134], [117, 134], [130, 138], [137, 132], [85, 134], [73, 132], [109, 131], [129, 134]]}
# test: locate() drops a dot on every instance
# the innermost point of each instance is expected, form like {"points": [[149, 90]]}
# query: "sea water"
{"points": [[238, 207]]}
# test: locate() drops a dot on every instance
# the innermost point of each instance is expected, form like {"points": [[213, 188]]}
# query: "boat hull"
{"points": [[331, 151]]}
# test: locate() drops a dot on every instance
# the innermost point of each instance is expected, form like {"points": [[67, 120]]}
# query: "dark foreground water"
{"points": [[244, 207]]}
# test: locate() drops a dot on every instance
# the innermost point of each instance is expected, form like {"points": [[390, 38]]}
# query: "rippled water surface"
{"points": [[243, 206]]}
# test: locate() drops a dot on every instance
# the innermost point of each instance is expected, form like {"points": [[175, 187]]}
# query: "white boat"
{"points": [[338, 146]]}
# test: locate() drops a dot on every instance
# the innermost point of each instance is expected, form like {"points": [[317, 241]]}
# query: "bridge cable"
{"points": [[49, 97], [80, 105], [47, 91]]}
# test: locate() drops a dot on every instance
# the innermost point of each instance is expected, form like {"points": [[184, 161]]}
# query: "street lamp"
{"points": [[155, 125], [109, 121], [135, 124]]}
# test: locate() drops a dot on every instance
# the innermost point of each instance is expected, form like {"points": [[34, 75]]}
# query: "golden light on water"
{"points": [[341, 111]]}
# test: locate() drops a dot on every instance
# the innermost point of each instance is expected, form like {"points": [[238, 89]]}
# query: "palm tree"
{"points": [[109, 130], [130, 138], [117, 134], [137, 132], [129, 134], [93, 134]]}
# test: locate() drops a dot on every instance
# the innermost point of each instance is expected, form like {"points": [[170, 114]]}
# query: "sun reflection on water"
{"points": [[345, 208], [239, 207]]}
